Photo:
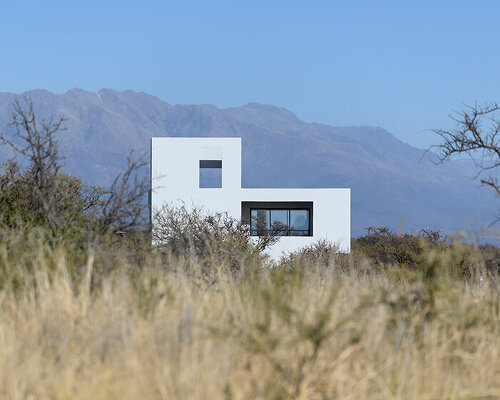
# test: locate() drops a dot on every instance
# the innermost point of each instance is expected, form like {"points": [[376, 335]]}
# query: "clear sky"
{"points": [[401, 65]]}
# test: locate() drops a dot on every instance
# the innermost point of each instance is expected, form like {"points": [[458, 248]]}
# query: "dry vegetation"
{"points": [[203, 314], [114, 323]]}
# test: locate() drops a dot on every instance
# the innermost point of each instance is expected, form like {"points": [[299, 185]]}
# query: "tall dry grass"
{"points": [[100, 326]]}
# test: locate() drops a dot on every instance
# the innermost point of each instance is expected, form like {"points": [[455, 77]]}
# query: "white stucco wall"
{"points": [[175, 177]]}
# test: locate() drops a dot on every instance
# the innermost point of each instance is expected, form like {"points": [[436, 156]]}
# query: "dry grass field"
{"points": [[100, 324]]}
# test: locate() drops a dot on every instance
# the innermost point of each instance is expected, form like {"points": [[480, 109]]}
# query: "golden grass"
{"points": [[161, 332]]}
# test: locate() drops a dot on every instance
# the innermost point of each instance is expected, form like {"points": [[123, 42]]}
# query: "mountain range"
{"points": [[391, 183]]}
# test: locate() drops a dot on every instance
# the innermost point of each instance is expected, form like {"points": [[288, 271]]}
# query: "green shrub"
{"points": [[385, 247]]}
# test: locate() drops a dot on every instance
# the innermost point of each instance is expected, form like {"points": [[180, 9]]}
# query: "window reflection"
{"points": [[282, 222], [299, 222], [279, 222], [260, 223]]}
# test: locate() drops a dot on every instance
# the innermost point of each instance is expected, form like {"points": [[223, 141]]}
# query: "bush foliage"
{"points": [[35, 192]]}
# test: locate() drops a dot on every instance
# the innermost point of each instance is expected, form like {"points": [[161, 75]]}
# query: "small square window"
{"points": [[211, 174]]}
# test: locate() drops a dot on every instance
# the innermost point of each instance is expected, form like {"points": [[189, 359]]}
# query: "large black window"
{"points": [[279, 221]]}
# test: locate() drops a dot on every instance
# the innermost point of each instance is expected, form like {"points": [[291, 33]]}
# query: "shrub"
{"points": [[74, 205], [36, 191], [212, 238], [385, 247], [324, 254]]}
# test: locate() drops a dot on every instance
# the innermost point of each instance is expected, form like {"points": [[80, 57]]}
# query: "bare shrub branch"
{"points": [[475, 135], [124, 206], [190, 231], [44, 195], [37, 142]]}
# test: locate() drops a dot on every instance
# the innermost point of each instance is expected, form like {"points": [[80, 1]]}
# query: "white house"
{"points": [[207, 172]]}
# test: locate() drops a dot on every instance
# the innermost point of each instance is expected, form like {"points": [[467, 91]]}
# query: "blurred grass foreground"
{"points": [[402, 316]]}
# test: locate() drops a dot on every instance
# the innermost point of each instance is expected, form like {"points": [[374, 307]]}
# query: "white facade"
{"points": [[175, 173]]}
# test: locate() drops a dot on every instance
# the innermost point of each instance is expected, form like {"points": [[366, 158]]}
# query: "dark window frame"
{"points": [[210, 163], [288, 232]]}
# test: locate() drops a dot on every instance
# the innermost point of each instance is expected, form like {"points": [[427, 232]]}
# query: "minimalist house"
{"points": [[207, 172]]}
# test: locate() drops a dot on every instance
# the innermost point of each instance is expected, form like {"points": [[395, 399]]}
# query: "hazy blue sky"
{"points": [[402, 65]]}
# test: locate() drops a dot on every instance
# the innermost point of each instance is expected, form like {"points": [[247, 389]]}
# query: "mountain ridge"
{"points": [[390, 182]]}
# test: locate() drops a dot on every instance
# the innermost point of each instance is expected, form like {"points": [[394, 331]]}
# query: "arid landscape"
{"points": [[113, 322], [266, 200]]}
